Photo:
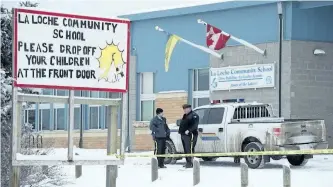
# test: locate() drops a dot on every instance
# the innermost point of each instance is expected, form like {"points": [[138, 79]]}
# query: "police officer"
{"points": [[160, 132], [188, 130]]}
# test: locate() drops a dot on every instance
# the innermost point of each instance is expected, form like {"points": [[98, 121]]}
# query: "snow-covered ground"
{"points": [[136, 173]]}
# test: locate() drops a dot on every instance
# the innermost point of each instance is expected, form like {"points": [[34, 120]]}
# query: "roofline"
{"points": [[194, 9]]}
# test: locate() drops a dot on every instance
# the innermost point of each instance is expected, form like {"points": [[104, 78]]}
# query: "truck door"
{"points": [[212, 133], [203, 114]]}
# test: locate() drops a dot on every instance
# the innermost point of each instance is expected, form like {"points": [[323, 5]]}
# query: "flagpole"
{"points": [[247, 44], [204, 49]]}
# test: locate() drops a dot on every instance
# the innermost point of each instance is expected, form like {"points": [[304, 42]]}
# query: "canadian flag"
{"points": [[215, 38]]}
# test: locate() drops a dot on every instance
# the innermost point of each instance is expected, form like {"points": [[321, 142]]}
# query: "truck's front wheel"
{"points": [[297, 160], [254, 161], [170, 149]]}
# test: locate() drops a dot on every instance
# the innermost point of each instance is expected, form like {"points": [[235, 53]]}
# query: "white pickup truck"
{"points": [[235, 126]]}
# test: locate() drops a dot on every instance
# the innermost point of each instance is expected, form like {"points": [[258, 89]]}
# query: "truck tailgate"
{"points": [[302, 131]]}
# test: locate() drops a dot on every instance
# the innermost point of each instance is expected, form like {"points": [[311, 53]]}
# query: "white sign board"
{"points": [[242, 77], [62, 51]]}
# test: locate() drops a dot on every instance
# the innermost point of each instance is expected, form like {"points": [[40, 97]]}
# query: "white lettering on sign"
{"points": [[62, 51], [242, 77]]}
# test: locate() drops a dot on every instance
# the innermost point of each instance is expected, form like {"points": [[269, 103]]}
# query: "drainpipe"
{"points": [[279, 9]]}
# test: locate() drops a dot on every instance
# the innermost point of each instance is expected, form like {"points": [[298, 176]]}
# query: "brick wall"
{"points": [[312, 83], [307, 79], [241, 55], [143, 142], [171, 103]]}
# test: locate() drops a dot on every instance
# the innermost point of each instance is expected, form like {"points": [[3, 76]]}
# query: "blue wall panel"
{"points": [[246, 23], [312, 24]]}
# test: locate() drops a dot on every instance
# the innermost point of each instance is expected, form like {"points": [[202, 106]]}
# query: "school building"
{"points": [[307, 76]]}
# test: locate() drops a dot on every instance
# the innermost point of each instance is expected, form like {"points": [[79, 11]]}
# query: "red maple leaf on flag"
{"points": [[215, 38]]}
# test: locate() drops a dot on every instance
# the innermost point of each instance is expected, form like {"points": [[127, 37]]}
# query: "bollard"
{"points": [[196, 172], [114, 175], [45, 169], [78, 170], [244, 175], [286, 176], [154, 169]]}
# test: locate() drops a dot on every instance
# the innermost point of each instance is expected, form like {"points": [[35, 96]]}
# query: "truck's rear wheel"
{"points": [[170, 149], [209, 159], [297, 160], [254, 161]]}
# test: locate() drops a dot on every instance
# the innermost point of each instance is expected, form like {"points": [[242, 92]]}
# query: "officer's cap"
{"points": [[186, 106]]}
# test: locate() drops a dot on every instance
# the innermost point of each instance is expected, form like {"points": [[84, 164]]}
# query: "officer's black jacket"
{"points": [[189, 122]]}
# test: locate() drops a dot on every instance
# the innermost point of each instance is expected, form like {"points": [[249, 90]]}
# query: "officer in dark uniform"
{"points": [[160, 132], [188, 130]]}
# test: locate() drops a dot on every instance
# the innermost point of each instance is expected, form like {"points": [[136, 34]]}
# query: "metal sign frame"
{"points": [[110, 160], [18, 99]]}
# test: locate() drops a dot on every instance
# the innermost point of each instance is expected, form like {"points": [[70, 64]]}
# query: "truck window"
{"points": [[246, 112], [215, 115], [203, 114]]}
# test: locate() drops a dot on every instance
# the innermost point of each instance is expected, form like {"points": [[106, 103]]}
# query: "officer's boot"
{"points": [[189, 163], [237, 160]]}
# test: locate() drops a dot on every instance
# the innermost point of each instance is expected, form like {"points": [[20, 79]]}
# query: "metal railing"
{"points": [[35, 141]]}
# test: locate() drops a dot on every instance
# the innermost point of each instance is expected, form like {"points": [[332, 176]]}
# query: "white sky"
{"points": [[109, 8]]}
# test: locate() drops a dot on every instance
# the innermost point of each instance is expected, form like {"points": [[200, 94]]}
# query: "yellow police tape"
{"points": [[232, 154]]}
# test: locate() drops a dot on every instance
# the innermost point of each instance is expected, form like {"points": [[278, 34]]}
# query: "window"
{"points": [[94, 94], [47, 92], [200, 87], [114, 95], [147, 97], [147, 85], [215, 115], [106, 116], [85, 93], [31, 118], [77, 93], [202, 113], [54, 119], [60, 122], [147, 110], [201, 79], [103, 94], [61, 92], [251, 112], [39, 120], [203, 101], [45, 119], [101, 123], [77, 118], [94, 118]]}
